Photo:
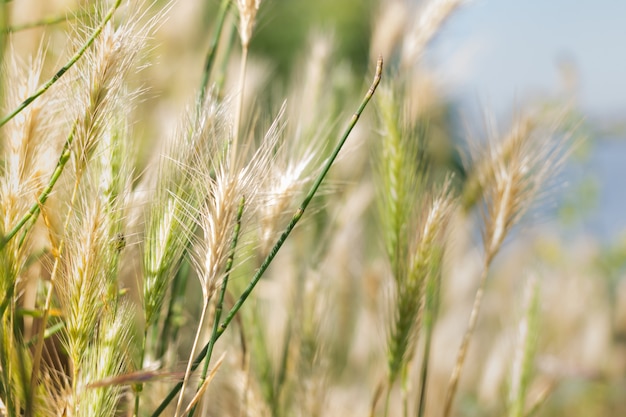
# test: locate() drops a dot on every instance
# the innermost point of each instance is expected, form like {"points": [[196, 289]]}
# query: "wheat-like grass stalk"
{"points": [[510, 177], [422, 266], [402, 181], [78, 55], [217, 220], [104, 359], [283, 237], [109, 62]]}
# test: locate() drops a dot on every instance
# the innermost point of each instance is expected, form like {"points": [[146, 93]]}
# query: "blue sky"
{"points": [[501, 51]]}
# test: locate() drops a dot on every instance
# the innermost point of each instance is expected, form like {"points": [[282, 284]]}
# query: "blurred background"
{"points": [[491, 60]]}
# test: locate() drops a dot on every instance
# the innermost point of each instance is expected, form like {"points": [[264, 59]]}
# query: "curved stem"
{"points": [[296, 217], [65, 67]]}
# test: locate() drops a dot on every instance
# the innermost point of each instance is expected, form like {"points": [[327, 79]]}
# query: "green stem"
{"points": [[219, 307], [36, 207], [210, 58], [65, 68], [239, 111], [297, 216], [221, 75]]}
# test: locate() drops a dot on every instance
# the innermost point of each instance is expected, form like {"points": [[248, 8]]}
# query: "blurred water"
{"points": [[604, 169]]}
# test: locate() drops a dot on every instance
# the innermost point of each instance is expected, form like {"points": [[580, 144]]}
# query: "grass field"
{"points": [[256, 208]]}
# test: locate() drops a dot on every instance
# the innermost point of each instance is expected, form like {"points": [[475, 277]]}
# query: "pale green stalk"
{"points": [[424, 265]]}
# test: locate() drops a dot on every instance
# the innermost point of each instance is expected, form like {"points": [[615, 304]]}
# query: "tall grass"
{"points": [[262, 259]]}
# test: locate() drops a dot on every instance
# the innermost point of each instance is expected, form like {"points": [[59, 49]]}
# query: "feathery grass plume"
{"points": [[82, 286], [78, 55], [289, 170], [510, 175], [101, 89], [22, 144], [217, 220], [484, 166], [431, 18], [21, 172], [103, 73], [423, 263], [104, 359], [219, 217], [247, 18], [180, 192], [525, 350], [413, 231], [176, 200], [516, 172], [402, 177]]}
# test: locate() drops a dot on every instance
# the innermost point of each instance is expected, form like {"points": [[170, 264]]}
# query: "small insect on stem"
{"points": [[119, 242]]}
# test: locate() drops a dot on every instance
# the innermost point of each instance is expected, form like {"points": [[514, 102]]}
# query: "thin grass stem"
{"points": [[205, 308], [294, 221], [220, 78], [65, 68], [239, 111], [462, 353], [210, 58]]}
